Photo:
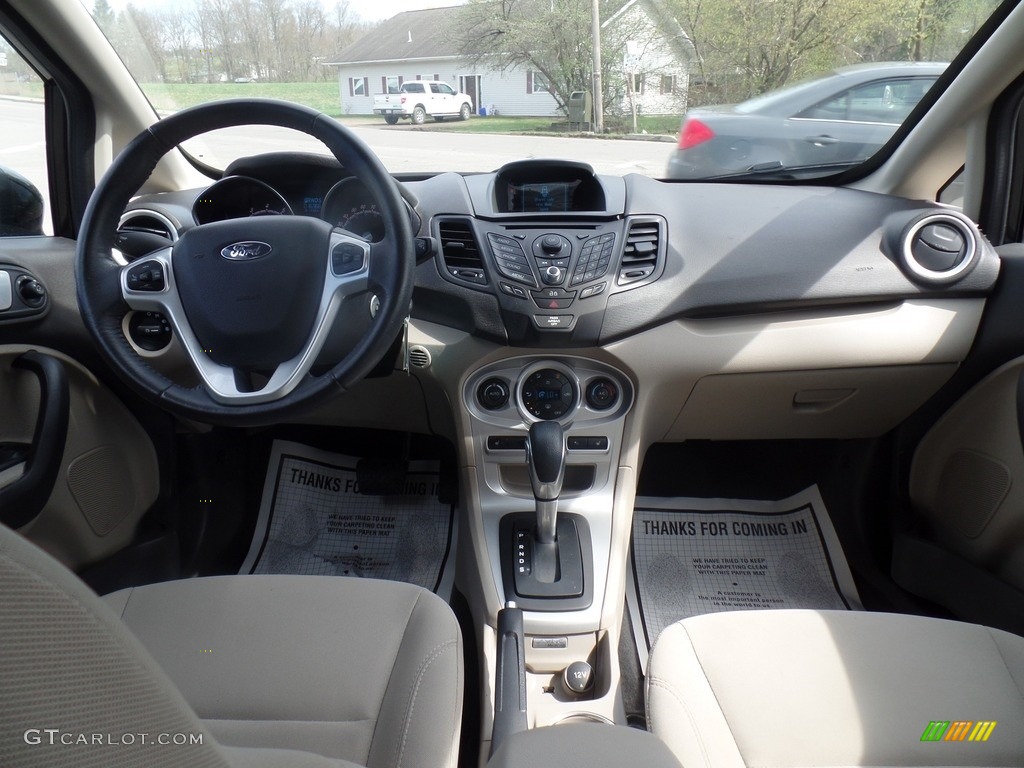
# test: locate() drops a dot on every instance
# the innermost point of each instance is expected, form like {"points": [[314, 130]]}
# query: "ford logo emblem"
{"points": [[245, 251]]}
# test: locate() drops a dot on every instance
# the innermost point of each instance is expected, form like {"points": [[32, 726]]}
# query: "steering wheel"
{"points": [[246, 295]]}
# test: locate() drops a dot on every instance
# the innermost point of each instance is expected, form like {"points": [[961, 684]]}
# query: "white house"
{"points": [[419, 45], [652, 50]]}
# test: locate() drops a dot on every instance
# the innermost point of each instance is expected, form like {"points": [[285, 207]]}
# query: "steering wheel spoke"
{"points": [[149, 285]]}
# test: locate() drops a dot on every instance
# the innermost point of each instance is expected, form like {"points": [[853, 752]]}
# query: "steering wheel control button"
{"points": [[602, 394], [592, 290], [553, 298], [595, 258], [553, 322], [347, 258], [147, 276], [493, 394], [578, 678], [548, 394], [150, 331]]}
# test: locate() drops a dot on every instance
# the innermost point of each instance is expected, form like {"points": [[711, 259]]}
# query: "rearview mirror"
{"points": [[21, 205]]}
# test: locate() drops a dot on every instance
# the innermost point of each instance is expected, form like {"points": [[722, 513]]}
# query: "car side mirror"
{"points": [[21, 205]]}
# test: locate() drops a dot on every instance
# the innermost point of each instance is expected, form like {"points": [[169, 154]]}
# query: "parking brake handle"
{"points": [[510, 674]]}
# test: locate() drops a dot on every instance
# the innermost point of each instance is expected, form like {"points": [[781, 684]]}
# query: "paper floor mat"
{"points": [[693, 556], [313, 520]]}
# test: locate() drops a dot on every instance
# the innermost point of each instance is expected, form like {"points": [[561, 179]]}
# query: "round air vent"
{"points": [[142, 231], [939, 248], [419, 357]]}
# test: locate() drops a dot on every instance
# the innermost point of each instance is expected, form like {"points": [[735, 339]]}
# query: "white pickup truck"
{"points": [[417, 99]]}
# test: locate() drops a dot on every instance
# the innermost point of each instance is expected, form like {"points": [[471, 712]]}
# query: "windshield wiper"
{"points": [[776, 170]]}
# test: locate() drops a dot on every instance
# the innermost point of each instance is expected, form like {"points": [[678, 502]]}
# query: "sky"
{"points": [[378, 10], [367, 10]]}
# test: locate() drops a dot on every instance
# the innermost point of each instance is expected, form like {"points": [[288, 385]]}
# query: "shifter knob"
{"points": [[545, 455], [545, 459]]}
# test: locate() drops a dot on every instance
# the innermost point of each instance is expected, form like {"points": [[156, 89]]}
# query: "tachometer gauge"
{"points": [[236, 197], [350, 206]]}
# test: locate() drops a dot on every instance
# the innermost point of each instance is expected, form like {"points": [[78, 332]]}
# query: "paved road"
{"points": [[402, 148]]}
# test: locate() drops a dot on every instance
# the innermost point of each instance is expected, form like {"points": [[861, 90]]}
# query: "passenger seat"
{"points": [[836, 688]]}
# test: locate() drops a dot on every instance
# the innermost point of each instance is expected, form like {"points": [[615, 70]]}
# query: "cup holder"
{"points": [[584, 717]]}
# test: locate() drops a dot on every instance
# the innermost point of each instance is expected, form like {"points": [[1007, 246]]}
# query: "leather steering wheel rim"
{"points": [[388, 275]]}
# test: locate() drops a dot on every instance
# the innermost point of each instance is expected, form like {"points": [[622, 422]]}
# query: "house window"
{"points": [[359, 86], [668, 85], [638, 83], [537, 83], [391, 84]]}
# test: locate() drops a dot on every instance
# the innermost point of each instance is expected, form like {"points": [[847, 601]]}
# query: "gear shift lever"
{"points": [[545, 458]]}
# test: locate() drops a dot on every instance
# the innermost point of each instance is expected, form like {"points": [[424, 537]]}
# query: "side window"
{"points": [[24, 192], [537, 83], [435, 88], [882, 101], [413, 87], [447, 89]]}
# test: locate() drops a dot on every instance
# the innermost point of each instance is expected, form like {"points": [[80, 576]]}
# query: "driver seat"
{"points": [[235, 671]]}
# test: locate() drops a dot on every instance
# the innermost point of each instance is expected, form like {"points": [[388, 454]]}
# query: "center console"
{"points": [[542, 433], [546, 434]]}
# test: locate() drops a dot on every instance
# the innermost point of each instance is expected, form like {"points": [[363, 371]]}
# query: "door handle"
{"points": [[822, 141], [22, 500]]}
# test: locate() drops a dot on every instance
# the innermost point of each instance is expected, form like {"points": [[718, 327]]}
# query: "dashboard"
{"points": [[728, 291]]}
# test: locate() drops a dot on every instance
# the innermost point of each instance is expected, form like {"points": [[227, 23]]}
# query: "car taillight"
{"points": [[401, 99], [694, 132]]}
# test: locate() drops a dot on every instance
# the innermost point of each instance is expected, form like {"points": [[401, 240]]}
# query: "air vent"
{"points": [[419, 357], [460, 251], [640, 254], [141, 232], [939, 248]]}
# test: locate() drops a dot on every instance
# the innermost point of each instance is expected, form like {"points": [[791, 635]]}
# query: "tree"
{"points": [[105, 16], [747, 47], [549, 37]]}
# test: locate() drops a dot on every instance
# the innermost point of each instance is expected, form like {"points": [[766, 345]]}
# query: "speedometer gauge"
{"points": [[350, 206]]}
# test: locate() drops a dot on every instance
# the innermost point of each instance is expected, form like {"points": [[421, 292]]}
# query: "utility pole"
{"points": [[595, 22]]}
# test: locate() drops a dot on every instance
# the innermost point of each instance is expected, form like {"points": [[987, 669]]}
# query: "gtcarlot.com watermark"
{"points": [[55, 737]]}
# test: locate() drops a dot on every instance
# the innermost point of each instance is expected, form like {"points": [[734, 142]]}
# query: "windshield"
{"points": [[470, 87]]}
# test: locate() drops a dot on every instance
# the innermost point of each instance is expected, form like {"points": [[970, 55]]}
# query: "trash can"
{"points": [[581, 108]]}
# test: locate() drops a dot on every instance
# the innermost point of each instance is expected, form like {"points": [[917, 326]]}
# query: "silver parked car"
{"points": [[831, 121]]}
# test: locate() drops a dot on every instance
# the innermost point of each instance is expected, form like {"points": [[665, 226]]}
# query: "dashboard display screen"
{"points": [[546, 197]]}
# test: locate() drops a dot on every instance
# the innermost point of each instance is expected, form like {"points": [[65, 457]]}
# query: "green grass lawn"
{"points": [[667, 125], [167, 97], [170, 96]]}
